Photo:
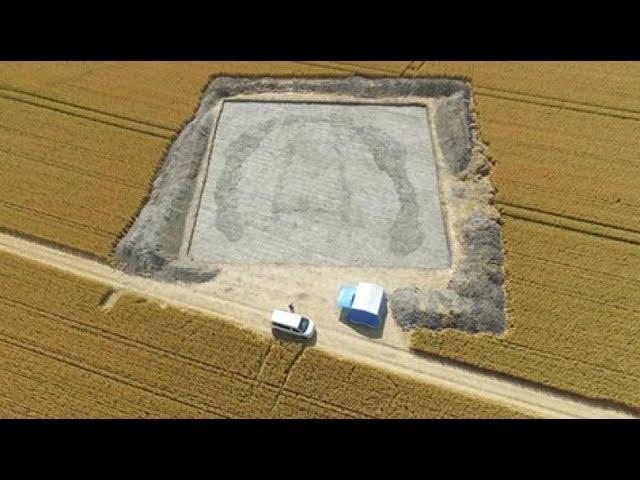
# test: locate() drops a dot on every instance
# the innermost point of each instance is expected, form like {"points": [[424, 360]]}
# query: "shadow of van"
{"points": [[288, 337]]}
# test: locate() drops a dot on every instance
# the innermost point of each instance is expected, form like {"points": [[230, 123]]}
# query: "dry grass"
{"points": [[64, 356], [567, 185]]}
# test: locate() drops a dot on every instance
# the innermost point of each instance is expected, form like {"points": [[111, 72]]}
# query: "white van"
{"points": [[292, 323]]}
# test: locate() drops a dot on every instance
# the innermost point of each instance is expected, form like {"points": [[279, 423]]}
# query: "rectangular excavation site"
{"points": [[282, 190], [322, 184]]}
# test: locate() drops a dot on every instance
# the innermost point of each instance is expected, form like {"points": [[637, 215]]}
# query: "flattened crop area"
{"points": [[80, 144]]}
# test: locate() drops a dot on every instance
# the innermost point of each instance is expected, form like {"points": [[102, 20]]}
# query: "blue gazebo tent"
{"points": [[363, 303], [345, 296]]}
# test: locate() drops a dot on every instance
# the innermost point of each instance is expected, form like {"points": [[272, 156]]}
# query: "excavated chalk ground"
{"points": [[321, 184], [281, 190]]}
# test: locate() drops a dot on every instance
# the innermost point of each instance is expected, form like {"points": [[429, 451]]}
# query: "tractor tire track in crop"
{"points": [[523, 396]]}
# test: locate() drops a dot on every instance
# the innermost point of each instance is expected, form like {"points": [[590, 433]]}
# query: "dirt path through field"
{"points": [[389, 352]]}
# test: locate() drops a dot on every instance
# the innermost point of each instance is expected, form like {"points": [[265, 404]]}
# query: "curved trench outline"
{"points": [[390, 157], [225, 194], [291, 148]]}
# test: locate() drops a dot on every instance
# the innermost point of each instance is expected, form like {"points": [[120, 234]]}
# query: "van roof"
{"points": [[286, 318]]}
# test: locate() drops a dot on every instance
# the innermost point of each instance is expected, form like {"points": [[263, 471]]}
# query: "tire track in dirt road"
{"points": [[527, 397]]}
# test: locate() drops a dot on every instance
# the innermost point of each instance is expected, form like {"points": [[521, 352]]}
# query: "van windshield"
{"points": [[304, 323]]}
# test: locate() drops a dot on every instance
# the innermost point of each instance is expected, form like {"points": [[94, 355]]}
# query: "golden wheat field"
{"points": [[567, 175], [79, 147], [65, 356], [81, 142]]}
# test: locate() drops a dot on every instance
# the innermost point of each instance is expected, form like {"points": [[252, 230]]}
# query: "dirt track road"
{"points": [[333, 337]]}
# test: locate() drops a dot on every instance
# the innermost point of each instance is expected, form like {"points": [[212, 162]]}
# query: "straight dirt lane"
{"points": [[383, 353]]}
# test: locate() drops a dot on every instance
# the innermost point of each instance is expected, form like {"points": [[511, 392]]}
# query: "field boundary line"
{"points": [[78, 252], [417, 72], [557, 103], [76, 170], [538, 258], [185, 359], [584, 107], [351, 68], [569, 393], [86, 113], [524, 396], [412, 69], [91, 228], [574, 224], [84, 107], [578, 296], [378, 69], [114, 377]]}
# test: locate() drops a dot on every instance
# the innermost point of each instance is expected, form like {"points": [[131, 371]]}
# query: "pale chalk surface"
{"points": [[324, 184]]}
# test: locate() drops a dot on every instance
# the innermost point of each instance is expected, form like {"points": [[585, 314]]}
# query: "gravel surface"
{"points": [[341, 175], [352, 185]]}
